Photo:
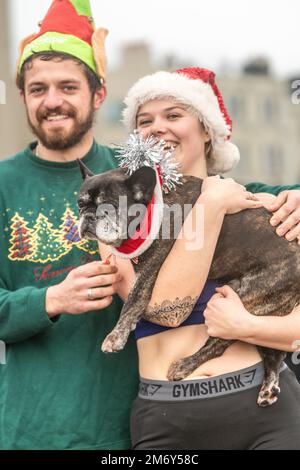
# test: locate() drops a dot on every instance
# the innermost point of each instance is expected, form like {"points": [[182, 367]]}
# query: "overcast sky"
{"points": [[205, 33]]}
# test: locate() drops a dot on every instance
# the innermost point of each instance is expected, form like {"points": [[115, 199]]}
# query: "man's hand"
{"points": [[225, 315], [286, 214], [73, 294]]}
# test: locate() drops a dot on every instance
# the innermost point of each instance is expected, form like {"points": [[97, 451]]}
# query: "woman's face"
{"points": [[167, 120]]}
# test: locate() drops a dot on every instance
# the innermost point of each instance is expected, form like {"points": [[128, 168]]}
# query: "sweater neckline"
{"points": [[86, 159]]}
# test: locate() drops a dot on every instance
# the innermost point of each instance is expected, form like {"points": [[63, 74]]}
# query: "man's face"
{"points": [[59, 104]]}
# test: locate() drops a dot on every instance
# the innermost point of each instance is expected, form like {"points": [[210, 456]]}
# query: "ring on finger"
{"points": [[90, 294]]}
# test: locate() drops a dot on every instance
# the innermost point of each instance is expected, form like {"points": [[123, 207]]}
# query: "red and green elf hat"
{"points": [[69, 27]]}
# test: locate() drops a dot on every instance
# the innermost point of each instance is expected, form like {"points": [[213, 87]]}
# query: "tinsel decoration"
{"points": [[138, 152]]}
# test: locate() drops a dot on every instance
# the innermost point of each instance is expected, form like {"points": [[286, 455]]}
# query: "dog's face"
{"points": [[106, 202]]}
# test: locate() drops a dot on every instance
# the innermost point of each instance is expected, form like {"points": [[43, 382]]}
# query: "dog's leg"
{"points": [[138, 299], [214, 347], [129, 316], [131, 312], [270, 389]]}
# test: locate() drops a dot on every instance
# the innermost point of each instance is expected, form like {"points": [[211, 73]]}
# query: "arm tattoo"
{"points": [[170, 313]]}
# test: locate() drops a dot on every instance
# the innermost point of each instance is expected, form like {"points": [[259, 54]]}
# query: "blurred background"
{"points": [[252, 46]]}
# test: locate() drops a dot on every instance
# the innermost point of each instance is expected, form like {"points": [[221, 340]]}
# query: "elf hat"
{"points": [[196, 88], [68, 27]]}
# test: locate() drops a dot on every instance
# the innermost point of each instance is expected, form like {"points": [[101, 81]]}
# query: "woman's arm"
{"points": [[218, 196], [227, 318], [185, 270], [275, 332]]}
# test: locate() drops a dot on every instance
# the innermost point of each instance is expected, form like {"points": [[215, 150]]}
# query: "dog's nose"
{"points": [[82, 228]]}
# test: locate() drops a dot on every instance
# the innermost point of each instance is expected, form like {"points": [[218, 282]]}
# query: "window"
{"points": [[270, 109], [235, 106], [273, 161]]}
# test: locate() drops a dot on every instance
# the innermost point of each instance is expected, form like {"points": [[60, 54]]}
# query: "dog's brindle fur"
{"points": [[261, 266]]}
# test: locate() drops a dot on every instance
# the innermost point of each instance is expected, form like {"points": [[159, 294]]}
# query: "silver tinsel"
{"points": [[138, 152]]}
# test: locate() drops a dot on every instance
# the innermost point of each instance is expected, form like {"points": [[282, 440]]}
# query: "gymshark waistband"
{"points": [[203, 388]]}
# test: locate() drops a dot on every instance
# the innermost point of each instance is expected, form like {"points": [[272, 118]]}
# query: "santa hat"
{"points": [[196, 88], [68, 27]]}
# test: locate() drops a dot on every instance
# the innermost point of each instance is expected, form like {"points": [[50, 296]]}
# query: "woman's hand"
{"points": [[225, 315], [232, 197], [227, 318]]}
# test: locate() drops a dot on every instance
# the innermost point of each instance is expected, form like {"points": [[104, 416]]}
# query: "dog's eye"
{"points": [[106, 210]]}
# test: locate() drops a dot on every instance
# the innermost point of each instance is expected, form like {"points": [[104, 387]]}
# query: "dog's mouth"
{"points": [[109, 240], [89, 235]]}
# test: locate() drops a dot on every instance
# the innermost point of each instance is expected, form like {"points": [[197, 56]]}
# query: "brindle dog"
{"points": [[263, 268]]}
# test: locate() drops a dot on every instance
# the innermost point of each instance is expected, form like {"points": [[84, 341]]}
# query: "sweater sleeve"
{"points": [[22, 313], [264, 188]]}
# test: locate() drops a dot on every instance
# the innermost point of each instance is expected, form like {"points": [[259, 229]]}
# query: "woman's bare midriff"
{"points": [[157, 352]]}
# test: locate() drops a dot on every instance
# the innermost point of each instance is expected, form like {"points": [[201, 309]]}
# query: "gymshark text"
{"points": [[202, 388]]}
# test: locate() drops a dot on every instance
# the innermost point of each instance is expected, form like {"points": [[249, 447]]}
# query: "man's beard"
{"points": [[62, 139]]}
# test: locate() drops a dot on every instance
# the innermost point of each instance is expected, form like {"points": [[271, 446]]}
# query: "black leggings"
{"points": [[232, 421]]}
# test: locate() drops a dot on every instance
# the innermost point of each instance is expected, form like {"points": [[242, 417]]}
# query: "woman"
{"points": [[214, 407]]}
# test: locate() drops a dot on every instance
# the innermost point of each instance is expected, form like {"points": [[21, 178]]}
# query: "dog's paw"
{"points": [[178, 370], [113, 342], [268, 394]]}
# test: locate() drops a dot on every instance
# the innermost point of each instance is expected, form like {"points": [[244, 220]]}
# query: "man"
{"points": [[57, 390]]}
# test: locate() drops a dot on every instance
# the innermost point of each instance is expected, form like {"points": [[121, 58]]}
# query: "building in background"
{"points": [[266, 122], [13, 128], [266, 125]]}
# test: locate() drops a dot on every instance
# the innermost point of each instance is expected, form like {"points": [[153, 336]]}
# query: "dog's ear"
{"points": [[85, 172], [142, 183]]}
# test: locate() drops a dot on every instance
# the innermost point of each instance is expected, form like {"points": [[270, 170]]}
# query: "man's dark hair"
{"points": [[93, 80]]}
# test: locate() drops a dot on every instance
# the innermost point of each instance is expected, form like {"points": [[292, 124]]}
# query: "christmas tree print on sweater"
{"points": [[70, 233], [21, 239], [69, 228], [44, 243]]}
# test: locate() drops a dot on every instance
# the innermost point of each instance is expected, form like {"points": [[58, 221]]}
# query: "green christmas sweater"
{"points": [[57, 389]]}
